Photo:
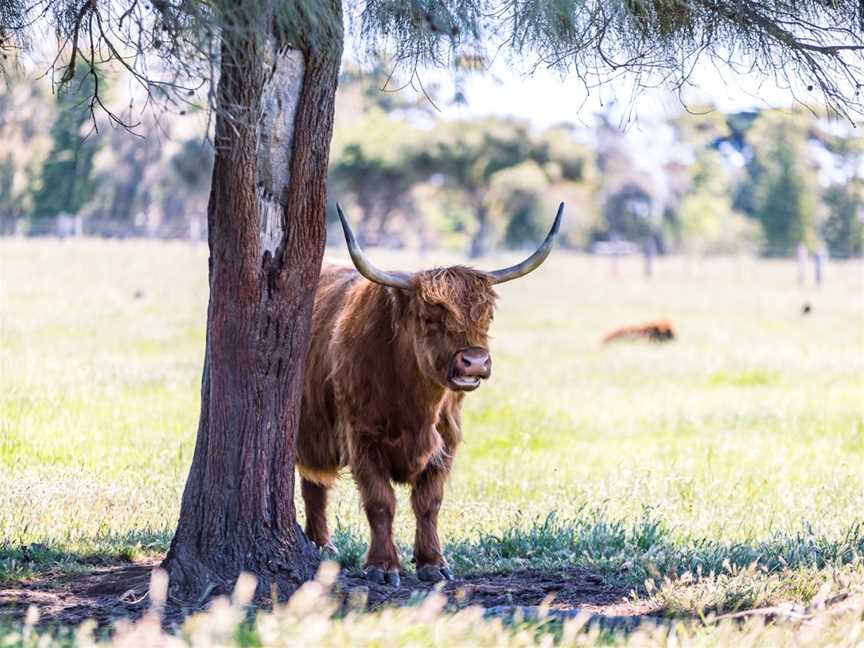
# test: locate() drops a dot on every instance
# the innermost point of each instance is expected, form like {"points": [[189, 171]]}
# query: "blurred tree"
{"points": [[185, 184], [468, 154], [26, 114], [785, 191], [633, 201], [484, 159], [10, 203], [571, 176], [517, 194], [631, 212], [843, 229], [562, 156], [374, 163], [706, 219], [66, 181], [121, 184]]}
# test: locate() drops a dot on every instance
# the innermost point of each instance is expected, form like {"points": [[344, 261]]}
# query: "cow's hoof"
{"points": [[434, 573], [381, 577]]}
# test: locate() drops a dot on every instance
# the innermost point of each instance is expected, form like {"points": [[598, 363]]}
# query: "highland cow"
{"points": [[390, 360], [659, 331]]}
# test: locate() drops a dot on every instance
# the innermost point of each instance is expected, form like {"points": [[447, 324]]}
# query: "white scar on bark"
{"points": [[279, 101]]}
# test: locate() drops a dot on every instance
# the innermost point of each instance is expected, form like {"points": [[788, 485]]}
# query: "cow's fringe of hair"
{"points": [[465, 292]]}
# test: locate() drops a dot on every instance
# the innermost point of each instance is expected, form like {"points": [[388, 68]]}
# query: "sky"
{"points": [[545, 98]]}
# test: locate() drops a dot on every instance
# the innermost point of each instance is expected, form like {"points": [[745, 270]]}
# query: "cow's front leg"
{"points": [[379, 502], [315, 498], [426, 496]]}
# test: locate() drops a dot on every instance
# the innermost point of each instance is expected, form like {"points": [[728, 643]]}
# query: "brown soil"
{"points": [[112, 593], [566, 590]]}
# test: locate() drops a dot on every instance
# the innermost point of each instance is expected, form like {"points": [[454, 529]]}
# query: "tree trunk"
{"points": [[266, 220]]}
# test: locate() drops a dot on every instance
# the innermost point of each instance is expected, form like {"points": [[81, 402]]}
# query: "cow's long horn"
{"points": [[532, 262], [364, 266]]}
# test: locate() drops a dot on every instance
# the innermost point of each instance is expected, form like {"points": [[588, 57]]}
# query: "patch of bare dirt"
{"points": [[567, 589], [104, 594], [111, 593]]}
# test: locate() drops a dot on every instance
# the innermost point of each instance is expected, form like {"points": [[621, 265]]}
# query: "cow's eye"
{"points": [[430, 322]]}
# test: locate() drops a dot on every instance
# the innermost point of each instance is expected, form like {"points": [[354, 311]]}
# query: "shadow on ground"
{"points": [[107, 594]]}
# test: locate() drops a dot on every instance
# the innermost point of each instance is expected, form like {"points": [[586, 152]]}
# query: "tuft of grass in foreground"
{"points": [[313, 618]]}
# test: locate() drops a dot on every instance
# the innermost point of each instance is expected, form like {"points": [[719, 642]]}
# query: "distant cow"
{"points": [[659, 331], [391, 357]]}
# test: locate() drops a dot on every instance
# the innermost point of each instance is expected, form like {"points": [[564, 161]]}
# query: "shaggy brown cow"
{"points": [[660, 331], [390, 360]]}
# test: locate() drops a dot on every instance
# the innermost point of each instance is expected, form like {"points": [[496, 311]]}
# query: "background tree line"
{"points": [[764, 181]]}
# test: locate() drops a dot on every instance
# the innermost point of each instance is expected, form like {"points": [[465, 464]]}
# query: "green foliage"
{"points": [[505, 174], [563, 158], [490, 177], [709, 225], [706, 218], [843, 230], [65, 183], [702, 125], [376, 163], [193, 164], [784, 181], [648, 40], [517, 193], [469, 153], [632, 207], [374, 88], [10, 203]]}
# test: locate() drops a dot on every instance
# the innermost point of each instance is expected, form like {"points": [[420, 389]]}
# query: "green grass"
{"points": [[739, 444]]}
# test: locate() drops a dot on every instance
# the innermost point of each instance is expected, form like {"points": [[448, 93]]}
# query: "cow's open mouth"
{"points": [[468, 368], [464, 383]]}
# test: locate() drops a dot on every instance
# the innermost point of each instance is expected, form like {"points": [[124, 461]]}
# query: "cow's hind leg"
{"points": [[315, 498], [379, 502], [426, 496]]}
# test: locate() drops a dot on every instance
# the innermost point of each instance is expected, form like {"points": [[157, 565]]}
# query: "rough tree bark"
{"points": [[266, 235]]}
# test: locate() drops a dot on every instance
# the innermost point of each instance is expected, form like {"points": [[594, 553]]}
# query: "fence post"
{"points": [[649, 251], [820, 257], [802, 263]]}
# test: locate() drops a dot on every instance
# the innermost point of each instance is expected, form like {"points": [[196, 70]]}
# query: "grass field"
{"points": [[722, 471]]}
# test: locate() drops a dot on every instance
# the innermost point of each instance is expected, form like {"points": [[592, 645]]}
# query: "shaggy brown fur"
{"points": [[379, 399], [660, 331]]}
